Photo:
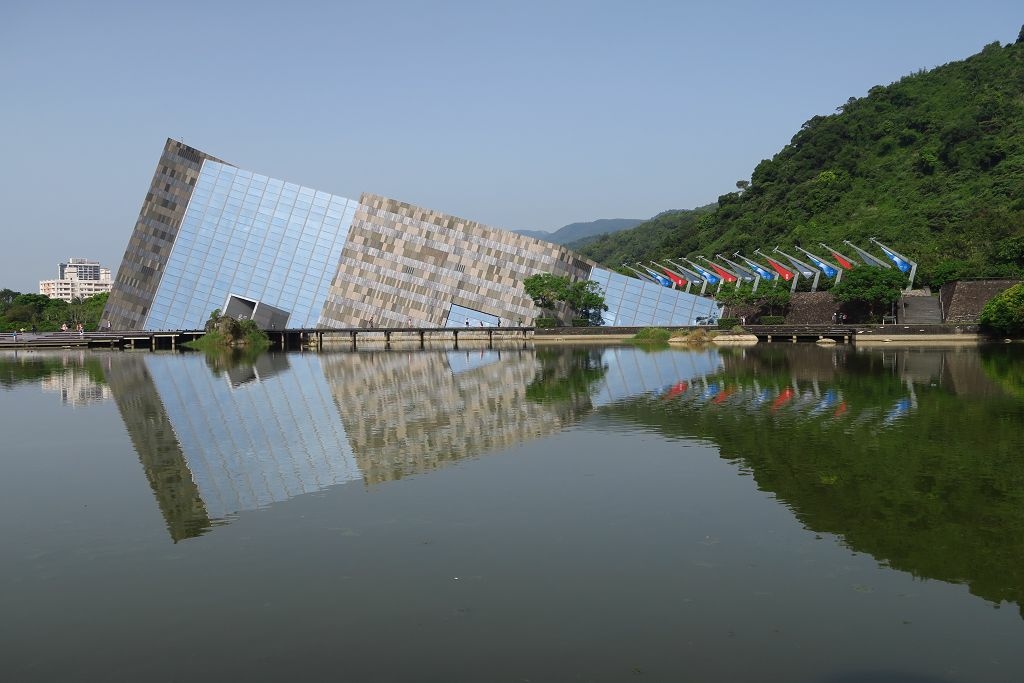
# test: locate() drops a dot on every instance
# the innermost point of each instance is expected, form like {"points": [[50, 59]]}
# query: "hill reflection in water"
{"points": [[913, 456]]}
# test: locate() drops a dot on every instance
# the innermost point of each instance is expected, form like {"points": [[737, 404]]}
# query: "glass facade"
{"points": [[255, 237], [460, 316], [633, 302]]}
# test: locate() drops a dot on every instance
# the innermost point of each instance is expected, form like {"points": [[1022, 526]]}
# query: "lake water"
{"points": [[775, 513]]}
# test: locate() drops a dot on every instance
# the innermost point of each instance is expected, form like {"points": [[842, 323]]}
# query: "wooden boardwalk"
{"points": [[352, 336], [281, 339]]}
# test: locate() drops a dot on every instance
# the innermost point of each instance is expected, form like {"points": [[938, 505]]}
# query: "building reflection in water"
{"points": [[410, 412], [215, 441]]}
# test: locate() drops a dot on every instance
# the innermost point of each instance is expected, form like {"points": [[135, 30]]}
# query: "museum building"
{"points": [[213, 236]]}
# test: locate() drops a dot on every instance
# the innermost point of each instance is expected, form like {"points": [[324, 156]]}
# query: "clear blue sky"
{"points": [[518, 114]]}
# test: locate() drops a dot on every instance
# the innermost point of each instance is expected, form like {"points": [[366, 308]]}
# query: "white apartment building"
{"points": [[79, 278]]}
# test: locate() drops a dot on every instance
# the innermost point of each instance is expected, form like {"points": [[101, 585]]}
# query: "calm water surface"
{"points": [[779, 513]]}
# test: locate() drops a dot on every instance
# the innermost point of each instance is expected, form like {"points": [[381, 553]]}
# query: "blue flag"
{"points": [[662, 280], [821, 265], [760, 270], [900, 263]]}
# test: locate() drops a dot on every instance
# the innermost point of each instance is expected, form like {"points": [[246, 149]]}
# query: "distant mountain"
{"points": [[577, 231]]}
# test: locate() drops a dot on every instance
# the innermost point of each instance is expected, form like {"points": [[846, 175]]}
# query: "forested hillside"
{"points": [[932, 165]]}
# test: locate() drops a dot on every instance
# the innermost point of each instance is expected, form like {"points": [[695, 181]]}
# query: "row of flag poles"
{"points": [[682, 273]]}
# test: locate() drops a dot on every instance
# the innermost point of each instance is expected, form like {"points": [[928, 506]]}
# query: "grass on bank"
{"points": [[651, 335], [228, 333]]}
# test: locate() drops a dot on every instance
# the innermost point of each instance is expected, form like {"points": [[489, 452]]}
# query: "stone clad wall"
{"points": [[811, 308], [155, 231], [963, 300], [403, 262]]}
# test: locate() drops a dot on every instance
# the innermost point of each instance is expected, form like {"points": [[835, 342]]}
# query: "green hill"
{"points": [[932, 165]]}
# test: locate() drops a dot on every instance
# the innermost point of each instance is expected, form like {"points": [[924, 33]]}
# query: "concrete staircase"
{"points": [[915, 309]]}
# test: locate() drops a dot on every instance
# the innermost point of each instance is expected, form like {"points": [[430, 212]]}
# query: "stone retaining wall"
{"points": [[963, 300]]}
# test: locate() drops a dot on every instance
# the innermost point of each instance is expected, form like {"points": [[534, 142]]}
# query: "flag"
{"points": [[840, 259], [900, 409], [799, 267], [725, 393], [642, 276], [679, 282], [783, 272], [676, 389], [744, 273], [658, 277], [825, 268], [820, 264], [689, 272], [725, 275], [829, 400], [708, 277], [784, 397], [759, 269], [867, 258], [900, 262]]}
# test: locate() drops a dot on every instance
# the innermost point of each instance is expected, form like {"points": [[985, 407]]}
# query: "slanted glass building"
{"points": [[213, 236]]}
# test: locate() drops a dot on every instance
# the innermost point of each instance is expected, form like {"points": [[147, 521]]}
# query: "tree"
{"points": [[773, 300], [28, 309], [546, 290], [1004, 313], [871, 287], [92, 309], [7, 297], [586, 299]]}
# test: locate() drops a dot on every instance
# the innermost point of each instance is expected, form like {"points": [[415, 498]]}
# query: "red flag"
{"points": [[723, 273], [676, 389], [678, 281], [784, 273], [784, 396], [724, 394], [841, 261]]}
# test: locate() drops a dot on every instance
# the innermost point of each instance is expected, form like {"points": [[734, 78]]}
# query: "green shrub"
{"points": [[772, 320], [581, 322], [652, 335], [728, 323], [545, 322], [1004, 313]]}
